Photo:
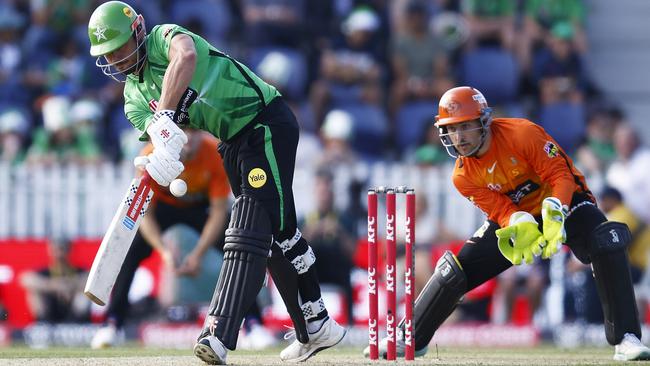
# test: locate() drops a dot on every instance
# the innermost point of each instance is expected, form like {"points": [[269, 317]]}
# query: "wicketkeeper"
{"points": [[174, 77], [535, 201]]}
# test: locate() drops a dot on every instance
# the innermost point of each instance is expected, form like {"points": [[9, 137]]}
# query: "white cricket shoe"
{"points": [[330, 334], [211, 351], [400, 349], [631, 349], [107, 336]]}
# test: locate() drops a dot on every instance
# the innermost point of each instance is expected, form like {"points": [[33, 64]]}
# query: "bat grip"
{"points": [[146, 178]]}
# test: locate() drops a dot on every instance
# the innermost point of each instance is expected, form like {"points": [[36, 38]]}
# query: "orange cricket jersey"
{"points": [[204, 174], [522, 166]]}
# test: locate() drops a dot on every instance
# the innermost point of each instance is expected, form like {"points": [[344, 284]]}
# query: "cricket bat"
{"points": [[117, 240]]}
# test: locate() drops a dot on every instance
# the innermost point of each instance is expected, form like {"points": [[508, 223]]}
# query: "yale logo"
{"points": [[256, 177]]}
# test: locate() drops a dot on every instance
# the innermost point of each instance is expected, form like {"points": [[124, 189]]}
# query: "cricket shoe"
{"points": [[400, 347], [107, 336], [631, 349], [210, 350], [329, 334]]}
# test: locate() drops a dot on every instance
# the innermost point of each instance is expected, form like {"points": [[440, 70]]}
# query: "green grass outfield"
{"points": [[23, 356]]}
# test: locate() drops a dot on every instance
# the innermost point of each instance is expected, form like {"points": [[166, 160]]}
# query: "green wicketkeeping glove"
{"points": [[553, 215], [526, 239]]}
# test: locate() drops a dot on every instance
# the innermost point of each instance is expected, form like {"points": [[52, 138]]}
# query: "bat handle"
{"points": [[146, 178]]}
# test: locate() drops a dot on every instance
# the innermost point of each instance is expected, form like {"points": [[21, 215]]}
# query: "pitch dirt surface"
{"points": [[547, 356]]}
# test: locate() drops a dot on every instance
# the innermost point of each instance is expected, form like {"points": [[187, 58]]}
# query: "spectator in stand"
{"points": [[557, 58], [541, 16], [55, 293], [597, 152], [67, 73], [11, 58], [490, 22], [629, 173], [337, 134], [419, 62], [13, 127], [562, 111], [274, 22], [429, 150], [332, 238], [61, 140], [352, 70]]}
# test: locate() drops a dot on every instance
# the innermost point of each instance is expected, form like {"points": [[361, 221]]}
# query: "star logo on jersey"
{"points": [[513, 160], [99, 33]]}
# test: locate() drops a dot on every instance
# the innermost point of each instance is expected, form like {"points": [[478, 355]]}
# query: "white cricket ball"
{"points": [[178, 187]]}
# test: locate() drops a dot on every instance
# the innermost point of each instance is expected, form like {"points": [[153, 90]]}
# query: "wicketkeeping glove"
{"points": [[553, 216], [521, 239], [165, 134]]}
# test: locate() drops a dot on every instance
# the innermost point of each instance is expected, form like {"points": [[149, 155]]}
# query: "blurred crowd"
{"points": [[362, 76]]}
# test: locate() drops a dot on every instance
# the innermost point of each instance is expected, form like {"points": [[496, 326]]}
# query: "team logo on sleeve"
{"points": [[551, 149], [127, 11], [256, 177]]}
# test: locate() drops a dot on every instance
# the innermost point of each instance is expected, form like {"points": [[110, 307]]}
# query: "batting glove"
{"points": [[165, 134], [521, 239], [160, 166], [553, 216]]}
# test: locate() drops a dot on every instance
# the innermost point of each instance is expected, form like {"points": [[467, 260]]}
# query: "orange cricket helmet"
{"points": [[461, 104]]}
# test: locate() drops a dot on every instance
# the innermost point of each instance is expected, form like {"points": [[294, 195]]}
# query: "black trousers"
{"points": [[166, 216], [266, 147]]}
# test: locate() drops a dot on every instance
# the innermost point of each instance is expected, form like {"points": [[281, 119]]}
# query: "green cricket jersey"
{"points": [[223, 96]]}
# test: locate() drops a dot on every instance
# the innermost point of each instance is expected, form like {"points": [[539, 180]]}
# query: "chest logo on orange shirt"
{"points": [[522, 190], [494, 187], [256, 177], [490, 170]]}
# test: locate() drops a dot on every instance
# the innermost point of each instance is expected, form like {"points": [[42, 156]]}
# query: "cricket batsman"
{"points": [[535, 201], [176, 78]]}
